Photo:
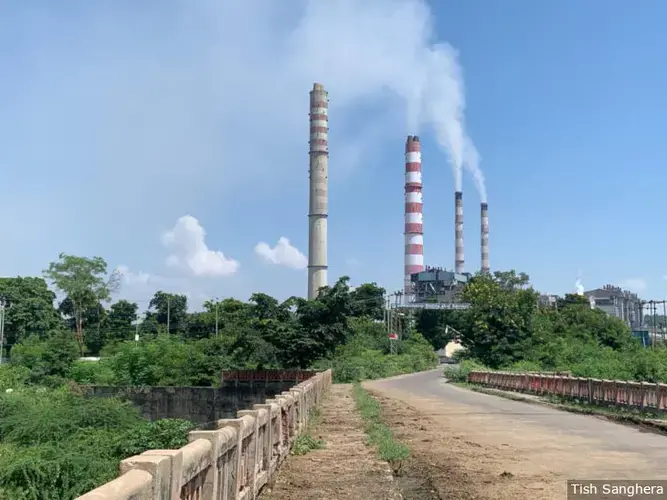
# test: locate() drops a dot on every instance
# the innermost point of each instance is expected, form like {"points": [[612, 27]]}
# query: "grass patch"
{"points": [[379, 435], [305, 443]]}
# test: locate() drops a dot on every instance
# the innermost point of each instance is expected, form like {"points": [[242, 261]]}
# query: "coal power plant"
{"points": [[423, 286]]}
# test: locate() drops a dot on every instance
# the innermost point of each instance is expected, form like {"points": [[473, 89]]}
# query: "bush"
{"points": [[459, 373], [51, 357], [93, 372], [168, 433], [13, 377], [57, 445]]}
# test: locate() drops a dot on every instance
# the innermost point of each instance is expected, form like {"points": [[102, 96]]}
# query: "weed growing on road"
{"points": [[305, 444], [379, 435]]}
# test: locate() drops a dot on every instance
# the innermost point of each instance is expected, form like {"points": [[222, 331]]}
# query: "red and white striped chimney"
{"points": [[414, 232]]}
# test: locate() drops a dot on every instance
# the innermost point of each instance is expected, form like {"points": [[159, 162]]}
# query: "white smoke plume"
{"points": [[578, 286], [442, 105], [388, 44]]}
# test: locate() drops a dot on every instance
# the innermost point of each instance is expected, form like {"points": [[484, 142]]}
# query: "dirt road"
{"points": [[477, 446], [345, 469]]}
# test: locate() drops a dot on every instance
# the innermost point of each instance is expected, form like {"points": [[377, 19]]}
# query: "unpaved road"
{"points": [[478, 446], [345, 469]]}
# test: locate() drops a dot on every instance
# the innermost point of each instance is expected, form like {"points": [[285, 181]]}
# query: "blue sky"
{"points": [[117, 119]]}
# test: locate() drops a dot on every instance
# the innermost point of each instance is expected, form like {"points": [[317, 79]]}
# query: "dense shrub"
{"points": [[56, 445]]}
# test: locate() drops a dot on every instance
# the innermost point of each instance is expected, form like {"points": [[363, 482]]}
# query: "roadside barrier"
{"points": [[641, 395]]}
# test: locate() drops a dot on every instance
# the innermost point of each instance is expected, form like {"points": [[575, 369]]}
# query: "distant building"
{"points": [[547, 300], [622, 304], [436, 284]]}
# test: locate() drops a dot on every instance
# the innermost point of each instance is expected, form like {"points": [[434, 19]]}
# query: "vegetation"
{"points": [[379, 435], [57, 444], [505, 328]]}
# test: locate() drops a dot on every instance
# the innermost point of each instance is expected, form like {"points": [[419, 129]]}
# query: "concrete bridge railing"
{"points": [[232, 462], [641, 395]]}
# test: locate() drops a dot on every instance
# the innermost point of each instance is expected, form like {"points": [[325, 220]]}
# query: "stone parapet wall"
{"points": [[639, 395], [232, 462]]}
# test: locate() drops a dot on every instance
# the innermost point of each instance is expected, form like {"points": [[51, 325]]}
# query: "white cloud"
{"points": [[131, 278], [187, 240], [637, 285], [283, 254]]}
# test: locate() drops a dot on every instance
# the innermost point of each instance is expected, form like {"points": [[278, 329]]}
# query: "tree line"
{"points": [[53, 320]]}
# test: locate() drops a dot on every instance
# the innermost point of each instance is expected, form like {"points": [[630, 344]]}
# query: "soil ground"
{"points": [[465, 446], [477, 446], [346, 468], [458, 461]]}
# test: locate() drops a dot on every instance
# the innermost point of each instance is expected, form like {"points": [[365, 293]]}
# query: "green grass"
{"points": [[305, 443], [379, 435]]}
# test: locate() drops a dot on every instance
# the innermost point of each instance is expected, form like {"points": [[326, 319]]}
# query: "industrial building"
{"points": [[622, 304], [433, 287], [436, 285]]}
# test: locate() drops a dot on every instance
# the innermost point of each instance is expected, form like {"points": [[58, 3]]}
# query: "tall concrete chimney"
{"points": [[319, 176], [414, 232], [458, 232], [485, 268]]}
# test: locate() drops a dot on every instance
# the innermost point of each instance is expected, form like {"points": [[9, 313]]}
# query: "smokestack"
{"points": [[485, 268], [414, 233], [458, 232], [318, 203]]}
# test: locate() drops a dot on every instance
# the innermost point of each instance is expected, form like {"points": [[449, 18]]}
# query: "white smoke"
{"points": [[442, 105], [388, 44], [578, 286]]}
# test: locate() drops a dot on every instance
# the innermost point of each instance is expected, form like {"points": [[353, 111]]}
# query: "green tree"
{"points": [[368, 300], [169, 310], [323, 325], [118, 322], [29, 308], [433, 323], [84, 282], [498, 331]]}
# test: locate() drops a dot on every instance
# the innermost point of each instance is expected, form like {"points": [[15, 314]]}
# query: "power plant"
{"points": [[318, 199], [422, 286], [414, 221]]}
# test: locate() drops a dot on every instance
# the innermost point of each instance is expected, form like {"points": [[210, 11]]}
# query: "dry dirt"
{"points": [[346, 468], [456, 457], [475, 455]]}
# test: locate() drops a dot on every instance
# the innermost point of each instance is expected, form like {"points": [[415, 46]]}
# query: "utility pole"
{"points": [[390, 317], [168, 314], [136, 334], [216, 316], [2, 326]]}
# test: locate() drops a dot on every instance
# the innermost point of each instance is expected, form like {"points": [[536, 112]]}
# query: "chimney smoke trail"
{"points": [[414, 233], [458, 232], [319, 175], [485, 267]]}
